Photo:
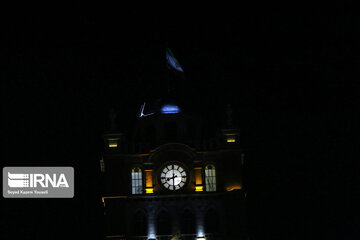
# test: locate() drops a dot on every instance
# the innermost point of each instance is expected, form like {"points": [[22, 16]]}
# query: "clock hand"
{"points": [[167, 179], [173, 178]]}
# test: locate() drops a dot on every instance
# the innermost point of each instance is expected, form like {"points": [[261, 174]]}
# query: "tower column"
{"points": [[151, 223], [200, 223]]}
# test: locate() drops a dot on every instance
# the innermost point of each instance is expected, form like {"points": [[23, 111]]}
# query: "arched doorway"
{"points": [[164, 223]]}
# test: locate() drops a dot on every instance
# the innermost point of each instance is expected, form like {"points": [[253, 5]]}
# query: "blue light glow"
{"points": [[151, 231], [170, 109], [200, 231]]}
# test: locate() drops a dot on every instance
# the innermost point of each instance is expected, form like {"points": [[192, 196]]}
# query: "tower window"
{"points": [[136, 181], [102, 165], [210, 178]]}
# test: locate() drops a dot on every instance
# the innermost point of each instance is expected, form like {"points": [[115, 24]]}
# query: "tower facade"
{"points": [[173, 180]]}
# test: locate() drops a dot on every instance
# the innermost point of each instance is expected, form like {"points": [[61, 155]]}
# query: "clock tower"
{"points": [[171, 179]]}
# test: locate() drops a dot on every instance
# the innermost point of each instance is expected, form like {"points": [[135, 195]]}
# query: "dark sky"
{"points": [[283, 71]]}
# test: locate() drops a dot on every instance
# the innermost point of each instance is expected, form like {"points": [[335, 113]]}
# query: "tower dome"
{"points": [[164, 120], [170, 108]]}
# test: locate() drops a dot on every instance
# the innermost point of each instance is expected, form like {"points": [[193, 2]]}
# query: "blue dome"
{"points": [[170, 109]]}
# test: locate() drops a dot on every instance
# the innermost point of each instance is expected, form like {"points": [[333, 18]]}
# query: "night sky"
{"points": [[283, 71]]}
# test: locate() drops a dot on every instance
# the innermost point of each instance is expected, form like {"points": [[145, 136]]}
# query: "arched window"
{"points": [[188, 222], [136, 181], [140, 224], [211, 221], [163, 223], [210, 178]]}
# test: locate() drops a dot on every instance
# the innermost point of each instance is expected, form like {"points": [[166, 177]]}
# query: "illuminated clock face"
{"points": [[173, 177]]}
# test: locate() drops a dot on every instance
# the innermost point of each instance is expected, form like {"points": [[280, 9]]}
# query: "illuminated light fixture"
{"points": [[230, 139], [170, 109], [151, 236], [200, 233], [149, 190], [113, 143], [199, 188], [231, 188]]}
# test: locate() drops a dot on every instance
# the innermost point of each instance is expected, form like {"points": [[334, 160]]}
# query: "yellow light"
{"points": [[198, 178], [113, 143], [199, 188], [149, 190], [231, 188], [148, 177], [231, 139]]}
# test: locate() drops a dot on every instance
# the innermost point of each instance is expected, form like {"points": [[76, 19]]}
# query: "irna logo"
{"points": [[16, 180], [38, 182]]}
